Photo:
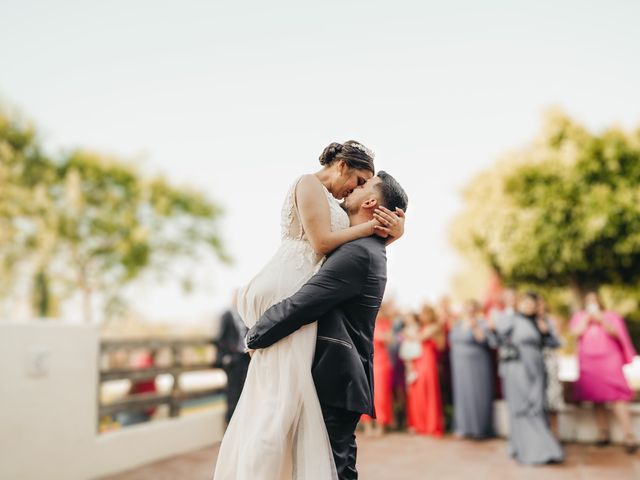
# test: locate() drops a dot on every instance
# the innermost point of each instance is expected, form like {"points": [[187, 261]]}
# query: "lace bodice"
{"points": [[291, 225]]}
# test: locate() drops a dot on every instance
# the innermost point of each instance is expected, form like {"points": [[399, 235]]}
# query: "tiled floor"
{"points": [[400, 457]]}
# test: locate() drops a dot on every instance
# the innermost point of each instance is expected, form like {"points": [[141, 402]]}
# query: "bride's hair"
{"points": [[354, 154]]}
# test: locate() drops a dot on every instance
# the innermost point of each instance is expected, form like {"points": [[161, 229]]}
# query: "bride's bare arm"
{"points": [[391, 223], [316, 218]]}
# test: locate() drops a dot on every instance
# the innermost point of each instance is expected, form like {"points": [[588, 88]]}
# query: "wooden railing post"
{"points": [[145, 401], [174, 408]]}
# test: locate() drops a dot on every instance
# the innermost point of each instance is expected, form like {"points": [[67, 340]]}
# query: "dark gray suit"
{"points": [[344, 297]]}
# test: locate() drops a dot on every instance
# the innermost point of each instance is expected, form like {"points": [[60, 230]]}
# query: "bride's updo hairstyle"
{"points": [[354, 154]]}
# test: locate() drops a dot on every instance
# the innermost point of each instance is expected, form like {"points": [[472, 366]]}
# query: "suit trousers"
{"points": [[236, 372], [341, 427]]}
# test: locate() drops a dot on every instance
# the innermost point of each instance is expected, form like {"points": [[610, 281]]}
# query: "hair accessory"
{"points": [[362, 148]]}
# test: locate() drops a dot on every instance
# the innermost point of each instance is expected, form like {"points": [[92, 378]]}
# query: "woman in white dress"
{"points": [[277, 431]]}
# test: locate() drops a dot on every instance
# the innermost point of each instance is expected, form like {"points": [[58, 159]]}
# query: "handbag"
{"points": [[507, 351], [410, 350]]}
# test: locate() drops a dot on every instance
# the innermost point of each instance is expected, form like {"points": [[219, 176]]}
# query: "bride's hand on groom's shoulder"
{"points": [[390, 224]]}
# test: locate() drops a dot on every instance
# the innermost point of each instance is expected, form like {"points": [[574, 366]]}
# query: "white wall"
{"points": [[140, 444], [48, 410]]}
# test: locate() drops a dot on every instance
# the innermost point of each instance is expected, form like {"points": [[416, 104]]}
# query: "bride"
{"points": [[277, 431]]}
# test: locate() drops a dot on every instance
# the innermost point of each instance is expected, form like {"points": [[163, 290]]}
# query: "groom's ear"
{"points": [[370, 204]]}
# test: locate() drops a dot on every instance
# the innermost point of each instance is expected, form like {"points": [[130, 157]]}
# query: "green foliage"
{"points": [[561, 215], [25, 178], [563, 211], [86, 222]]}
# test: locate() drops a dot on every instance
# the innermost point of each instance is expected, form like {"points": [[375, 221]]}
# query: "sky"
{"points": [[238, 99]]}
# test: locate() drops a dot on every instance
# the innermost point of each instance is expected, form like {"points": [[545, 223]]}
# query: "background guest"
{"points": [[604, 347], [506, 306], [554, 395], [472, 374], [382, 374], [446, 318], [522, 336], [398, 375], [424, 407], [142, 360], [231, 355], [411, 346], [508, 303]]}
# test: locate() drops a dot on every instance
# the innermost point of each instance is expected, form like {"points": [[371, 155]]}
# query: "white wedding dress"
{"points": [[277, 431]]}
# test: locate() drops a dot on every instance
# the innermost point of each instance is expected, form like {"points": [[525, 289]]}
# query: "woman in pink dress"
{"points": [[604, 347]]}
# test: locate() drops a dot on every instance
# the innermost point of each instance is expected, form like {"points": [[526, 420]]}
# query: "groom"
{"points": [[344, 297]]}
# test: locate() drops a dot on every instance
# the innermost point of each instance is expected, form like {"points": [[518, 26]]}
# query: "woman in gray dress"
{"points": [[472, 373], [522, 336]]}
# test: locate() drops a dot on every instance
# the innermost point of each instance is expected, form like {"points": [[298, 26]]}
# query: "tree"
{"points": [[114, 224], [26, 176], [563, 211], [90, 223]]}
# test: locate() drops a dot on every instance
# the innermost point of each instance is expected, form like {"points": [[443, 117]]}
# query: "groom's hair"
{"points": [[393, 195]]}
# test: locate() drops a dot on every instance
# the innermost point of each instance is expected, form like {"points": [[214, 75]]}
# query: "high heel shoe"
{"points": [[603, 439], [630, 445]]}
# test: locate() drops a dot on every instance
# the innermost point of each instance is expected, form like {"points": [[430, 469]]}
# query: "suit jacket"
{"points": [[344, 297], [230, 340]]}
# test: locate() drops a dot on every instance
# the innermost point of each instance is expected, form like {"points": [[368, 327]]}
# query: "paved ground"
{"points": [[404, 457]]}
